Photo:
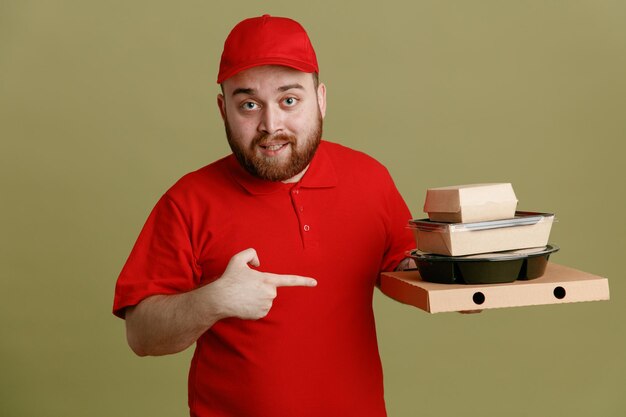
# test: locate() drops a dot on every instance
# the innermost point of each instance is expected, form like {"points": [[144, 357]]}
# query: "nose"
{"points": [[271, 120]]}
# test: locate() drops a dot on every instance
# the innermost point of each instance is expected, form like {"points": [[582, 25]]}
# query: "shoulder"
{"points": [[206, 180], [349, 162]]}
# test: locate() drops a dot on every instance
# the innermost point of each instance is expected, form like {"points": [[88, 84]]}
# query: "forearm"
{"points": [[165, 324]]}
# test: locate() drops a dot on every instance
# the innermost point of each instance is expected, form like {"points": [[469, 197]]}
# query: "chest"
{"points": [[306, 231]]}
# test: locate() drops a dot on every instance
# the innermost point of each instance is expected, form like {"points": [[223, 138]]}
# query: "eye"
{"points": [[290, 101], [249, 105]]}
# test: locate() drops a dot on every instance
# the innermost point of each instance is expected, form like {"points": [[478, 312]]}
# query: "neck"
{"points": [[296, 177]]}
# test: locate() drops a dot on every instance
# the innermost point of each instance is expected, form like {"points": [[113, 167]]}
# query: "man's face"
{"points": [[273, 119]]}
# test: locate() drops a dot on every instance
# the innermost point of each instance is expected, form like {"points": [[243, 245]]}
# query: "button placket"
{"points": [[303, 221]]}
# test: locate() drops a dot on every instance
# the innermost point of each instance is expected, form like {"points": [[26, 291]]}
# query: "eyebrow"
{"points": [[290, 86], [248, 91], [252, 91]]}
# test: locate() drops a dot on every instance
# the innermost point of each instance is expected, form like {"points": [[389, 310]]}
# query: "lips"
{"points": [[274, 146]]}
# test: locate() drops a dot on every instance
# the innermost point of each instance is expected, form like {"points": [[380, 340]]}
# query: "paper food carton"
{"points": [[524, 230], [470, 203]]}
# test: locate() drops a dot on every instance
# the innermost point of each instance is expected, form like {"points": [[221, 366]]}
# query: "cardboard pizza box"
{"points": [[559, 285]]}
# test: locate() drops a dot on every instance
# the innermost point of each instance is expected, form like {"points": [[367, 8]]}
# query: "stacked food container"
{"points": [[474, 235]]}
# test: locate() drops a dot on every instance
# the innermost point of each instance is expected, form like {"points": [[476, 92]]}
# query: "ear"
{"points": [[321, 98], [221, 104]]}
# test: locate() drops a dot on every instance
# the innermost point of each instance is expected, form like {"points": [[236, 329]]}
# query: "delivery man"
{"points": [[267, 259]]}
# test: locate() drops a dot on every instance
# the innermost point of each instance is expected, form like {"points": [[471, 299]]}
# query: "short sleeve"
{"points": [[399, 237], [162, 260]]}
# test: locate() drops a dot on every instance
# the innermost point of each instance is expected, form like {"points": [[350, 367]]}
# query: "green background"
{"points": [[104, 104]]}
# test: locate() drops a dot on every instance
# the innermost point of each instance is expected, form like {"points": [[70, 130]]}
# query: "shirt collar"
{"points": [[321, 174]]}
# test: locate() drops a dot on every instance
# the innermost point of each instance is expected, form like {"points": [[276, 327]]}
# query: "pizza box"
{"points": [[559, 284]]}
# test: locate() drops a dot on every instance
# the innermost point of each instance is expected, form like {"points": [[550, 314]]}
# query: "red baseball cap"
{"points": [[267, 40]]}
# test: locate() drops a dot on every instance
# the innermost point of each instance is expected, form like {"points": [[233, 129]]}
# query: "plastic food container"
{"points": [[525, 230], [492, 268]]}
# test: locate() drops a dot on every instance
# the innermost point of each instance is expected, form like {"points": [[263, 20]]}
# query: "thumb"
{"points": [[247, 256]]}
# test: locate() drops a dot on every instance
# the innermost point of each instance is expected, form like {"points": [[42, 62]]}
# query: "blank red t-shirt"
{"points": [[315, 354]]}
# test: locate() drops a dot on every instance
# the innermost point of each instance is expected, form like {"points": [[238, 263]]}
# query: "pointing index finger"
{"points": [[291, 280]]}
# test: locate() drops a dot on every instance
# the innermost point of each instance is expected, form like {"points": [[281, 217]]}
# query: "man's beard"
{"points": [[269, 168]]}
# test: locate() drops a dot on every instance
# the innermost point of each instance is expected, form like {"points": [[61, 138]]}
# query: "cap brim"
{"points": [[286, 62]]}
